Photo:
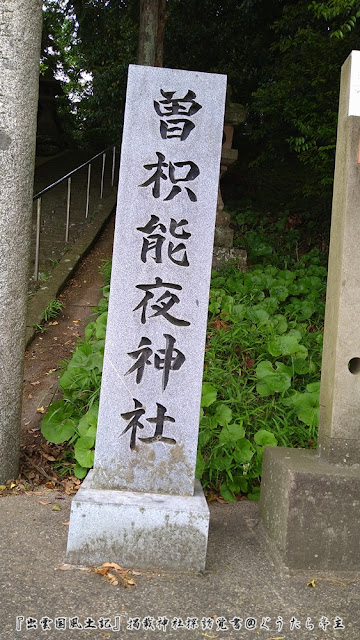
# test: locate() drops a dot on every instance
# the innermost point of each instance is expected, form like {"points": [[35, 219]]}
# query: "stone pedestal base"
{"points": [[138, 530], [310, 510], [221, 255]]}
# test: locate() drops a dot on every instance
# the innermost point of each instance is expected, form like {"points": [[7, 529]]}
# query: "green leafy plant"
{"points": [[261, 375], [52, 309], [73, 419]]}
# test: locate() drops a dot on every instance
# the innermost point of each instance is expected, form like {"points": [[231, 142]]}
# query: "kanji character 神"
{"points": [[172, 361]]}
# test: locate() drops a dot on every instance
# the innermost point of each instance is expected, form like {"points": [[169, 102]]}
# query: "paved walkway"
{"points": [[240, 581], [241, 585]]}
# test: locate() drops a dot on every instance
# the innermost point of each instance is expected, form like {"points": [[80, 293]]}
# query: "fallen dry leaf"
{"points": [[30, 396], [110, 577], [56, 507], [2, 487], [66, 524], [51, 458], [311, 583], [45, 501], [35, 383], [103, 571], [64, 567], [53, 324], [41, 410], [113, 565]]}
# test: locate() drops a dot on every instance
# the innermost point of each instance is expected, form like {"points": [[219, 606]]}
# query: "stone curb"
{"points": [[66, 267]]}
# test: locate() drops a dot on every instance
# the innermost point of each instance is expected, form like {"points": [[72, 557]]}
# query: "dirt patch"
{"points": [[43, 359]]}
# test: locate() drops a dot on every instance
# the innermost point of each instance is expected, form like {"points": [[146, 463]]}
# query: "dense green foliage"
{"points": [[262, 366], [282, 57]]}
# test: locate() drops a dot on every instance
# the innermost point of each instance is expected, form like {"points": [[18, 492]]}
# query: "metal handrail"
{"points": [[68, 175], [37, 197]]}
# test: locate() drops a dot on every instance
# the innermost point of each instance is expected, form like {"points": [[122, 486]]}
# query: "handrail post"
{"points": [[37, 241], [113, 166], [88, 192], [102, 176], [68, 211]]}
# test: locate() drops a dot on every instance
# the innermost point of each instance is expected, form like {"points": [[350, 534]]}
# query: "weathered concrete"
{"points": [[340, 381], [310, 510], [20, 34], [310, 500]]}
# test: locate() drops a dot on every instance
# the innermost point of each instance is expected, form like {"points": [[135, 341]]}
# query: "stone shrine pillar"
{"points": [[310, 501], [20, 35], [224, 251], [141, 505]]}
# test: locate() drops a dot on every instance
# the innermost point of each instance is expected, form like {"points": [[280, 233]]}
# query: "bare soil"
{"points": [[43, 358]]}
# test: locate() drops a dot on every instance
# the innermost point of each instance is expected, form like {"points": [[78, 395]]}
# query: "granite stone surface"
{"points": [[139, 530], [20, 34], [151, 387]]}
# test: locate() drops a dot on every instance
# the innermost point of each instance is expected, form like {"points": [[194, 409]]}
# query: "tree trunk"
{"points": [[151, 32], [20, 37]]}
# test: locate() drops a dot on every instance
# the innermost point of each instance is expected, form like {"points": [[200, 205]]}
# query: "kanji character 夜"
{"points": [[164, 302]]}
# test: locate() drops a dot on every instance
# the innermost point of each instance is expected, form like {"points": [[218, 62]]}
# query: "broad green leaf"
{"points": [[313, 387], [301, 366], [264, 368], [84, 453], [272, 381], [58, 432], [56, 426], [226, 493], [254, 495], [231, 433], [265, 438], [101, 325], [243, 451], [89, 330], [209, 394], [280, 292], [79, 471], [88, 423], [307, 408], [224, 414]]}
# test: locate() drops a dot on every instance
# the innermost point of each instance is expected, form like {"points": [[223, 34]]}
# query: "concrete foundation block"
{"points": [[310, 510], [139, 530]]}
